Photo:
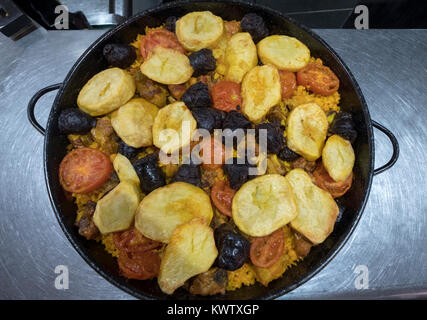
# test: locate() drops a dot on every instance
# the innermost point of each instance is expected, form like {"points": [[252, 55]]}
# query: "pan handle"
{"points": [[394, 143], [33, 102]]}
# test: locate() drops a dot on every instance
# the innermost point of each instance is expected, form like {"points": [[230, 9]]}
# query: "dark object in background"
{"points": [[44, 13], [208, 118], [233, 249], [75, 121], [119, 55], [150, 175], [255, 25], [197, 96], [202, 62], [13, 21], [189, 173], [393, 14]]}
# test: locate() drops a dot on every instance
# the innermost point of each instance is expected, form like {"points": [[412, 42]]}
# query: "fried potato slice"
{"points": [[317, 210], [116, 210], [167, 66], [198, 30], [191, 251], [263, 205], [133, 122], [306, 130], [165, 208], [173, 127], [286, 53], [240, 56], [260, 91], [125, 170], [338, 157], [106, 91]]}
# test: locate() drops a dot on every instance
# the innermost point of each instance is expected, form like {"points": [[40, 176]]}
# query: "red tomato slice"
{"points": [[226, 95], [140, 266], [132, 241], [217, 154], [222, 197], [318, 79], [84, 170], [288, 82], [159, 37], [324, 181], [266, 251]]}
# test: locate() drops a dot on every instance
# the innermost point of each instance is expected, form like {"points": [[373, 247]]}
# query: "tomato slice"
{"points": [[159, 37], [84, 170], [140, 266], [324, 181], [288, 82], [318, 79], [132, 241], [222, 196], [266, 251], [226, 95], [217, 154]]}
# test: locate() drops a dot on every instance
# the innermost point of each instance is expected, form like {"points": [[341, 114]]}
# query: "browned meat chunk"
{"points": [[302, 245], [105, 136], [211, 282], [151, 91], [87, 227], [302, 163]]}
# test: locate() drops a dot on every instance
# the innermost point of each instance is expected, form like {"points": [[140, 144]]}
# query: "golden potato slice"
{"points": [[125, 170], [116, 210], [338, 157], [191, 251], [165, 208], [263, 205], [106, 91], [260, 91], [317, 210], [286, 53], [198, 30], [167, 66], [240, 56], [133, 122], [306, 130], [173, 127]]}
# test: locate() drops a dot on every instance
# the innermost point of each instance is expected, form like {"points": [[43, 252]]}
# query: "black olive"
{"points": [[208, 118], [128, 151], [235, 120], [170, 23], [197, 96], [119, 55], [287, 154], [75, 121], [233, 249], [275, 138], [255, 25], [238, 173], [150, 175], [189, 173], [343, 125], [202, 62]]}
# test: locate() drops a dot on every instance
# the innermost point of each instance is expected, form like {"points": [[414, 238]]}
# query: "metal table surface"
{"points": [[390, 240]]}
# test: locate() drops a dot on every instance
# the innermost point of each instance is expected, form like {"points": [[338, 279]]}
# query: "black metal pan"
{"points": [[92, 61]]}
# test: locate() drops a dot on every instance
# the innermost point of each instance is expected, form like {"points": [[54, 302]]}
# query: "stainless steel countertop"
{"points": [[390, 240]]}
